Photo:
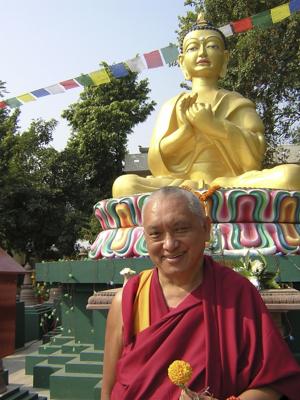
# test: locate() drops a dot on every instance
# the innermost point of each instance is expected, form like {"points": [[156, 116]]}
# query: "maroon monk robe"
{"points": [[222, 329]]}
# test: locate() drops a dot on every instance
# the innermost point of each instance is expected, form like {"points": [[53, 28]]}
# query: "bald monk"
{"points": [[190, 308], [209, 136]]}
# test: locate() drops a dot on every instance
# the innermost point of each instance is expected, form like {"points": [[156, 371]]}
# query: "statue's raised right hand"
{"points": [[182, 107]]}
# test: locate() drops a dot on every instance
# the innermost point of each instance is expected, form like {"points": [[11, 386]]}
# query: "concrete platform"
{"points": [[16, 366]]}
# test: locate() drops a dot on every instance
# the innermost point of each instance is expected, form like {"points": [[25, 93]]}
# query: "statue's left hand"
{"points": [[200, 114]]}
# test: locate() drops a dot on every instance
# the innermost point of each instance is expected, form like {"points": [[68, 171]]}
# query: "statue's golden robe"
{"points": [[240, 150], [231, 157]]}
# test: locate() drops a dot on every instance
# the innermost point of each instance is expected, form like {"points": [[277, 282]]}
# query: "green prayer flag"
{"points": [[13, 102], [262, 20], [170, 53], [84, 80]]}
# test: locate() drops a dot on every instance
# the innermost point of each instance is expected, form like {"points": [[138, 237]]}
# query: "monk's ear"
{"points": [[183, 69], [225, 64]]}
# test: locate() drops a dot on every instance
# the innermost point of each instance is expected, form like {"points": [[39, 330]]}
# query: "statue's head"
{"points": [[203, 51]]}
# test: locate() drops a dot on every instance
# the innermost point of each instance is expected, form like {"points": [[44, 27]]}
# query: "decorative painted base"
{"points": [[261, 220]]}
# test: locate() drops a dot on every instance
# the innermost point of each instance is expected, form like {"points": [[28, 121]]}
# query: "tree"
{"points": [[26, 201], [101, 121], [34, 213], [7, 141], [264, 64], [46, 196]]}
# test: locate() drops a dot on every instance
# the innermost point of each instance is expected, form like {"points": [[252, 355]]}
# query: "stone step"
{"points": [[91, 355], [74, 348], [28, 396], [51, 353], [42, 372], [15, 393], [79, 366], [48, 349], [11, 391], [60, 358], [97, 390], [32, 359], [70, 373], [73, 386], [61, 339]]}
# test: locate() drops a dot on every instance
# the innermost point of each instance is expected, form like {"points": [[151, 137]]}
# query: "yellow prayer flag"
{"points": [[99, 77], [25, 98], [279, 13]]}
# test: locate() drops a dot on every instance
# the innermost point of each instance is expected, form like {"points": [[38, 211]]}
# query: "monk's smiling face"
{"points": [[175, 235]]}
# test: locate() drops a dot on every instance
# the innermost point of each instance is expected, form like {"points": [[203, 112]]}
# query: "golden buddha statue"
{"points": [[208, 136]]}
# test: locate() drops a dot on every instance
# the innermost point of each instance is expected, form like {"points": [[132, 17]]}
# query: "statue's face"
{"points": [[203, 54]]}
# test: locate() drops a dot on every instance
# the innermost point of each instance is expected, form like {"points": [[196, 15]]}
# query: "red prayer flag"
{"points": [[69, 84], [242, 25], [3, 104], [153, 59]]}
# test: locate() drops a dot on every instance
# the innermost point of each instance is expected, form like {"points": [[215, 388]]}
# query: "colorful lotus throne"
{"points": [[258, 220]]}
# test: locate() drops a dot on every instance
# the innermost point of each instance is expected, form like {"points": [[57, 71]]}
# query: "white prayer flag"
{"points": [[136, 64], [55, 89], [226, 30]]}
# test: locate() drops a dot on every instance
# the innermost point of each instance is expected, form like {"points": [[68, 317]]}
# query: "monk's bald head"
{"points": [[192, 202]]}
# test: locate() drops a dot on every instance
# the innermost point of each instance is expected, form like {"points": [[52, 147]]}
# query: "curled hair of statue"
{"points": [[200, 24]]}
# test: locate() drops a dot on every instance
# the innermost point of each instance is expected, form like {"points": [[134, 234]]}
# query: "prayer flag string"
{"points": [[153, 59]]}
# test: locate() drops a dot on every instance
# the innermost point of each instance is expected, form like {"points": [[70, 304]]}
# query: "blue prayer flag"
{"points": [[118, 70], [294, 5], [40, 93]]}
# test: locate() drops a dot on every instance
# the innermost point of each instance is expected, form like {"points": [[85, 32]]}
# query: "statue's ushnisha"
{"points": [[208, 136]]}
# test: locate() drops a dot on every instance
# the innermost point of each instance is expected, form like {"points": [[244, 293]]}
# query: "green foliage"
{"points": [[90, 231], [101, 121], [31, 211], [34, 213], [256, 271], [295, 135], [264, 64], [47, 197]]}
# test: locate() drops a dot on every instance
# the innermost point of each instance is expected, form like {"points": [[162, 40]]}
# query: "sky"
{"points": [[45, 42]]}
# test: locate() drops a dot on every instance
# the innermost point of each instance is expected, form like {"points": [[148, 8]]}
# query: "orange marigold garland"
{"points": [[204, 195]]}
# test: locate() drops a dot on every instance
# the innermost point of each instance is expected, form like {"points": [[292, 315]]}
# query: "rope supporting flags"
{"points": [[153, 59]]}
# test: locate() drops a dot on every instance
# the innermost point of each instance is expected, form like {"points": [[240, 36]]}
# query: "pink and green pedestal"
{"points": [[261, 220]]}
